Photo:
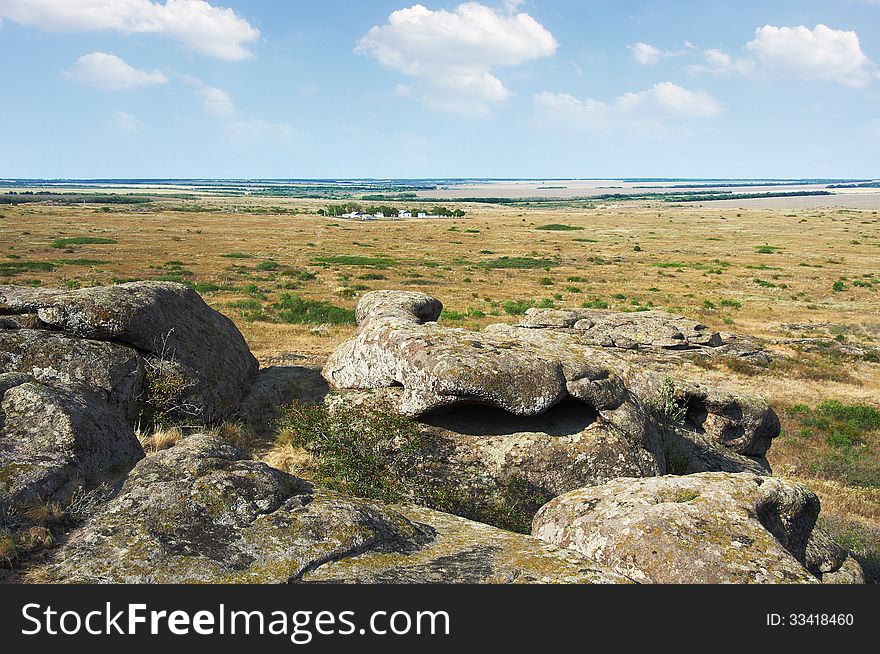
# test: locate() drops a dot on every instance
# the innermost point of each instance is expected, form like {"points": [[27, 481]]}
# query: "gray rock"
{"points": [[525, 371], [200, 513], [706, 528], [55, 440], [466, 552], [114, 372], [637, 330], [276, 386], [162, 320]]}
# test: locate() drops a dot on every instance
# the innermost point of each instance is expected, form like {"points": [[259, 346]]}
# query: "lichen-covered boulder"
{"points": [[114, 372], [466, 552], [165, 321], [554, 358], [56, 440], [643, 329], [199, 512], [703, 528]]}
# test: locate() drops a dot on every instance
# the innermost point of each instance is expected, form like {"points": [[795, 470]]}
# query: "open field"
{"points": [[769, 272]]}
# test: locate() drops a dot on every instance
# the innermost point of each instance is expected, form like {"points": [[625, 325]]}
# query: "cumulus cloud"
{"points": [[823, 53], [198, 25], [649, 55], [662, 104], [453, 53], [110, 73]]}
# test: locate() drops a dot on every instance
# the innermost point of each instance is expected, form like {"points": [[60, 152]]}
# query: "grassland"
{"points": [[290, 278]]}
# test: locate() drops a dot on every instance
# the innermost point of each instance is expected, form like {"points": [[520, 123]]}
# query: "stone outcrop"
{"points": [[705, 528], [55, 440], [162, 321], [201, 513], [577, 363]]}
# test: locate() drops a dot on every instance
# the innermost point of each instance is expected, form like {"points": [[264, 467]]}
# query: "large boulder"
{"points": [[554, 358], [702, 528], [115, 372], [199, 512], [55, 440], [170, 324]]}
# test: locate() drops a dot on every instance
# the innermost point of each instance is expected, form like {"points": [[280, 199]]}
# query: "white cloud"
{"points": [[110, 73], [453, 53], [646, 54], [125, 122], [822, 53], [651, 110], [721, 63], [649, 55], [198, 25], [216, 101]]}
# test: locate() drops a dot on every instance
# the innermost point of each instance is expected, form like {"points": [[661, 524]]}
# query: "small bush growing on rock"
{"points": [[364, 451], [371, 451]]}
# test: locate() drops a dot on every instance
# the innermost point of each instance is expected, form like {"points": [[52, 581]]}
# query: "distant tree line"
{"points": [[336, 210]]}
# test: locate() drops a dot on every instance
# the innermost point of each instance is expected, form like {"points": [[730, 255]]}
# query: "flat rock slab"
{"points": [[465, 552], [161, 320], [200, 513], [702, 528]]}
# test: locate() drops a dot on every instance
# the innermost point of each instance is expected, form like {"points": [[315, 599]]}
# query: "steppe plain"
{"points": [[801, 273]]}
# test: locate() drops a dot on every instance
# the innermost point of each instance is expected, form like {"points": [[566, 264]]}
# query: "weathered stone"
{"points": [[562, 450], [705, 528], [162, 320], [525, 371], [466, 552], [55, 440], [642, 329], [200, 513], [114, 372], [276, 386]]}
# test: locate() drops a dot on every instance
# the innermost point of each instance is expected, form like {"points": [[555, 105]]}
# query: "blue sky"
{"points": [[535, 88]]}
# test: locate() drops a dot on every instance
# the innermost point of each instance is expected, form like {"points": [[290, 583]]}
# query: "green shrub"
{"points": [[372, 451], [516, 307]]}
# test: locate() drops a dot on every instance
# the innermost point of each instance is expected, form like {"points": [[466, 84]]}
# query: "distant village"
{"points": [[356, 212]]}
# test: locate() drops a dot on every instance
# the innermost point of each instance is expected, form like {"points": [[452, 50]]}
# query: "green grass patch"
{"points": [[61, 243], [355, 260], [557, 227], [10, 268], [518, 263], [295, 310]]}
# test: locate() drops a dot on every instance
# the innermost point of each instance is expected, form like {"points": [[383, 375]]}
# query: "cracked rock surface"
{"points": [[200, 513], [703, 528]]}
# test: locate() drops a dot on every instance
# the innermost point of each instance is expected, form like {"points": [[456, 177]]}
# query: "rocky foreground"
{"points": [[647, 476]]}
